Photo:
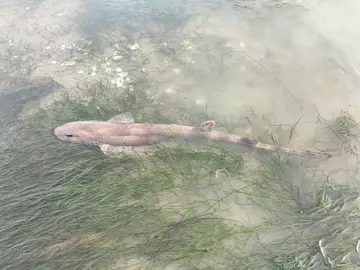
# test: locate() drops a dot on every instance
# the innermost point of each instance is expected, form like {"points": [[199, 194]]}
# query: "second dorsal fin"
{"points": [[207, 125]]}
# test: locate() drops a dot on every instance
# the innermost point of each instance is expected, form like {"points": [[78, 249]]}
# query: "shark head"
{"points": [[75, 132], [84, 132]]}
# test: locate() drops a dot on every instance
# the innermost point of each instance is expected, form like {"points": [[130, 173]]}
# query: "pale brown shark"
{"points": [[121, 134]]}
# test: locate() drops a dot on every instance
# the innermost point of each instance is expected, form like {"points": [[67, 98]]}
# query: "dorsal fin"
{"points": [[124, 118], [207, 125]]}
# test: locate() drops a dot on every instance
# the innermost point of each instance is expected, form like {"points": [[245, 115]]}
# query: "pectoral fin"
{"points": [[120, 151], [111, 150], [124, 118], [207, 125]]}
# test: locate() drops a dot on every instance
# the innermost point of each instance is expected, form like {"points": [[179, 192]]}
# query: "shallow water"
{"points": [[281, 61]]}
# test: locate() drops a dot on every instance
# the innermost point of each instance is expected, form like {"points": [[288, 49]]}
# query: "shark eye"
{"points": [[69, 135]]}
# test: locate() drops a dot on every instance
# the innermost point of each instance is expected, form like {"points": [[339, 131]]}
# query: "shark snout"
{"points": [[63, 132], [56, 132]]}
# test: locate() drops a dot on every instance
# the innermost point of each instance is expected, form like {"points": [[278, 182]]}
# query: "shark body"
{"points": [[121, 134]]}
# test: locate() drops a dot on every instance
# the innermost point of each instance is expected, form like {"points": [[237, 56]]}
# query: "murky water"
{"points": [[283, 61]]}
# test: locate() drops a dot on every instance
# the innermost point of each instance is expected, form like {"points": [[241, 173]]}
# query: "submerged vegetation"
{"points": [[66, 206]]}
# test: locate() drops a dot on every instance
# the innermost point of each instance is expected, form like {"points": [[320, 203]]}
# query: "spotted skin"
{"points": [[122, 134]]}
